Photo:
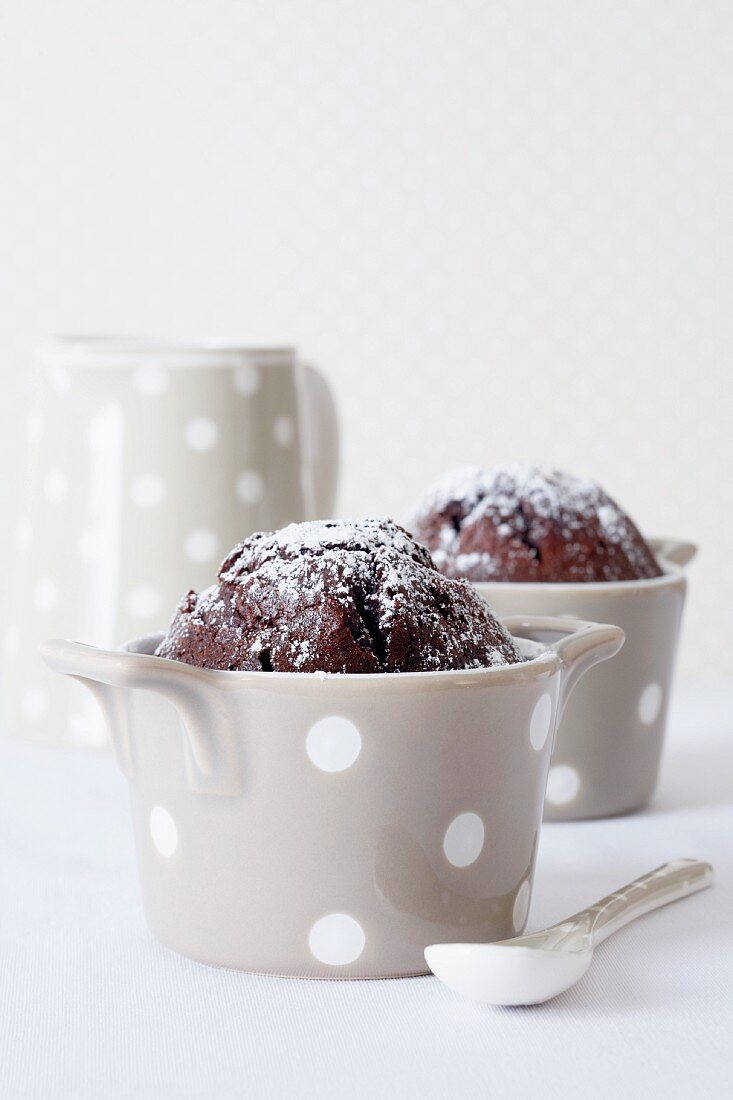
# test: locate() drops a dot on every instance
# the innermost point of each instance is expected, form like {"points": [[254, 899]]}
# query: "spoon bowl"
{"points": [[507, 973]]}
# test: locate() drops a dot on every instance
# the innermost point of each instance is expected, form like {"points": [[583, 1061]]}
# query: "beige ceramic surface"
{"points": [[146, 463], [333, 826], [609, 744]]}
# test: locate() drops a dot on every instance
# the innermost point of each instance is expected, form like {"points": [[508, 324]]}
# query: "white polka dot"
{"points": [[45, 594], [59, 379], [56, 486], [88, 729], [464, 840], [35, 704], [202, 433], [11, 641], [246, 380], [163, 831], [91, 545], [201, 545], [333, 743], [250, 487], [35, 426], [23, 533], [539, 723], [336, 939], [283, 431], [521, 906], [147, 490], [150, 381], [143, 601], [563, 783], [650, 704]]}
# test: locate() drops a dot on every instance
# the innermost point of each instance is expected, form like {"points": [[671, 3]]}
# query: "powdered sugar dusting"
{"points": [[336, 596], [529, 523]]}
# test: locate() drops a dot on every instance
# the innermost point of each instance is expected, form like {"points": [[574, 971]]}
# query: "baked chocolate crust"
{"points": [[526, 523], [336, 596]]}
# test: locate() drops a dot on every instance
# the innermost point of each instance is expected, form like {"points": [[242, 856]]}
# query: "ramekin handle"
{"points": [[211, 739], [114, 668], [677, 551], [580, 645]]}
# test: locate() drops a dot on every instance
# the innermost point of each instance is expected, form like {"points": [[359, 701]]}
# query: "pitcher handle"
{"points": [[677, 551], [321, 442], [579, 644]]}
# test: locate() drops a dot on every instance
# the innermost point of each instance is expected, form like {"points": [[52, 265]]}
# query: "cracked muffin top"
{"points": [[336, 596], [526, 523]]}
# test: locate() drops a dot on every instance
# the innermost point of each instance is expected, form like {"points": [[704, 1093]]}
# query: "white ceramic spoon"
{"points": [[530, 969]]}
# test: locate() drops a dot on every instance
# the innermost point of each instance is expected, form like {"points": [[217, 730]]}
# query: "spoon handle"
{"points": [[667, 883]]}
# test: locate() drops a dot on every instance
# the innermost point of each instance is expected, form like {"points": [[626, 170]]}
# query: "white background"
{"points": [[503, 228]]}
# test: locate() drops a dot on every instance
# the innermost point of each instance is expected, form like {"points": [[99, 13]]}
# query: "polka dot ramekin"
{"points": [[333, 826], [609, 743]]}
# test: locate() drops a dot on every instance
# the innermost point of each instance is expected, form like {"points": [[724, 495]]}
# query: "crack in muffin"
{"points": [[336, 596], [528, 523]]}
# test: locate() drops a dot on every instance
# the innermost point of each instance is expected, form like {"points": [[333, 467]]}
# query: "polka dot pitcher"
{"points": [[146, 463]]}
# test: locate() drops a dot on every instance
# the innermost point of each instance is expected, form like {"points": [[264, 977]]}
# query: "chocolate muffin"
{"points": [[337, 596], [525, 523]]}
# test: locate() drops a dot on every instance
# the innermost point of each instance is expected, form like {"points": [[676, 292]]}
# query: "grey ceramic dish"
{"points": [[333, 826], [609, 744]]}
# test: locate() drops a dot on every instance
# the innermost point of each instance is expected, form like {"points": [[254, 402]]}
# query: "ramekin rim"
{"points": [[671, 575]]}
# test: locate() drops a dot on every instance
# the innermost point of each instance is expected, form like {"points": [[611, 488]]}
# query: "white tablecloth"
{"points": [[91, 1006]]}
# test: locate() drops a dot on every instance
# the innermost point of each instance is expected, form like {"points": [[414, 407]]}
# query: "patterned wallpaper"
{"points": [[504, 229]]}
